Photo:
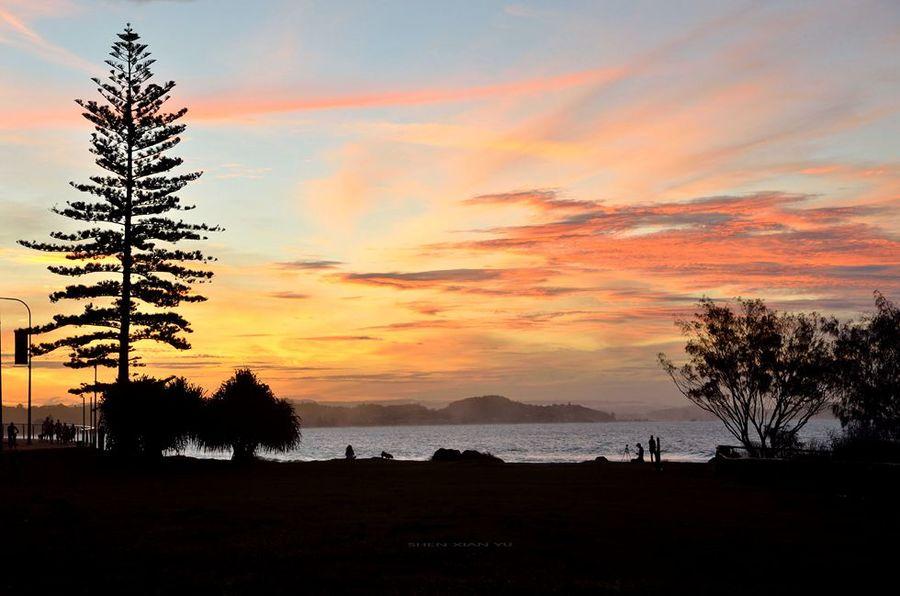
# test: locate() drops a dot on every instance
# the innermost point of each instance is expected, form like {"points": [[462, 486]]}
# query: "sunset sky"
{"points": [[433, 200]]}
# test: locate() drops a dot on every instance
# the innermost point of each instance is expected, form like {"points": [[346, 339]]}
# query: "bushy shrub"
{"points": [[244, 415], [862, 442], [147, 416]]}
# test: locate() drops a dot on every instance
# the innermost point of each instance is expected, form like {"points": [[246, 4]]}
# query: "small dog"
{"points": [[386, 455]]}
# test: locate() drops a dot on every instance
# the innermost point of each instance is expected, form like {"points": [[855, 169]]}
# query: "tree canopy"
{"points": [[244, 415]]}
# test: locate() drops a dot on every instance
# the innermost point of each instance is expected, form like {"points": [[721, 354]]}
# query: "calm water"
{"points": [[681, 441]]}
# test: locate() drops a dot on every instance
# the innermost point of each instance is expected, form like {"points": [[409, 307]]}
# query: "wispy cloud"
{"points": [[541, 198], [309, 265], [237, 105], [22, 35], [289, 295], [489, 282], [342, 338]]}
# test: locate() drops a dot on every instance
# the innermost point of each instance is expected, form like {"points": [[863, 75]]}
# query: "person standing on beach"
{"points": [[651, 444], [11, 433]]}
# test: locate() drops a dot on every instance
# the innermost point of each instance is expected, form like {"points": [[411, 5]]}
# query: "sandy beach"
{"points": [[75, 522]]}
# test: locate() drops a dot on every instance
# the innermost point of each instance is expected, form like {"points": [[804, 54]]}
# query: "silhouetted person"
{"points": [[386, 455], [58, 431], [651, 445], [11, 433], [640, 453], [658, 452], [349, 453]]}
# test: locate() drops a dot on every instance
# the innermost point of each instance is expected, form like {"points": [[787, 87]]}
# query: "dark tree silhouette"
{"points": [[245, 415], [129, 249], [764, 374], [867, 372], [148, 416]]}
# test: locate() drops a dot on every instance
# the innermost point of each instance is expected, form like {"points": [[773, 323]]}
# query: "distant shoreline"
{"points": [[519, 423]]}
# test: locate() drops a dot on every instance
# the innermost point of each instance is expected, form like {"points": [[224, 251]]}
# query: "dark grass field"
{"points": [[77, 523]]}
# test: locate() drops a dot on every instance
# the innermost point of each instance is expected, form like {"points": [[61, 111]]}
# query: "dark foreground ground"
{"points": [[74, 523]]}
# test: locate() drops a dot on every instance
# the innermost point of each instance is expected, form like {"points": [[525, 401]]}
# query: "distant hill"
{"points": [[313, 414], [67, 414], [487, 409], [679, 413]]}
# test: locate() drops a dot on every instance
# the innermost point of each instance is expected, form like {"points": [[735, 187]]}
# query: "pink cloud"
{"points": [[236, 105]]}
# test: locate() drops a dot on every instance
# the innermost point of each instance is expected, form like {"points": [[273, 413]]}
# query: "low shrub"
{"points": [[858, 442], [467, 455]]}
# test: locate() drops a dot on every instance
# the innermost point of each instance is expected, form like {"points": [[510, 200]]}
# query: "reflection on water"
{"points": [[681, 441]]}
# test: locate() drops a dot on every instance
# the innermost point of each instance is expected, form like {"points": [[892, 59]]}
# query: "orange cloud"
{"points": [[483, 282], [756, 242]]}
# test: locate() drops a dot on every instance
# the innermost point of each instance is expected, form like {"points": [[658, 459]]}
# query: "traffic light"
{"points": [[21, 346]]}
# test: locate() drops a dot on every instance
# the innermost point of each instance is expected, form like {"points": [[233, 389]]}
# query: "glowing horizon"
{"points": [[502, 198]]}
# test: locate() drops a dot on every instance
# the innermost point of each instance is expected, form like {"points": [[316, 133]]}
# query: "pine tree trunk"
{"points": [[125, 306]]}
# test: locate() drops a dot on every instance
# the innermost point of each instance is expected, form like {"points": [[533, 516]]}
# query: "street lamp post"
{"points": [[94, 411], [27, 308]]}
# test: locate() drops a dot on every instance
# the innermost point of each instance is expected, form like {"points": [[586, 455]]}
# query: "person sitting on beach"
{"points": [[349, 453], [11, 433], [640, 453], [651, 444]]}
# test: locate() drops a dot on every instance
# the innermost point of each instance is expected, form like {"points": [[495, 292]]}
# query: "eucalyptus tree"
{"points": [[128, 248], [867, 372], [763, 373]]}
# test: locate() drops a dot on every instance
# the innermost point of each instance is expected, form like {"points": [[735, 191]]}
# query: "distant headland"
{"points": [[486, 409]]}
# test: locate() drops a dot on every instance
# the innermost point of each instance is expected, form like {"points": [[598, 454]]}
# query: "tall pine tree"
{"points": [[128, 251]]}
